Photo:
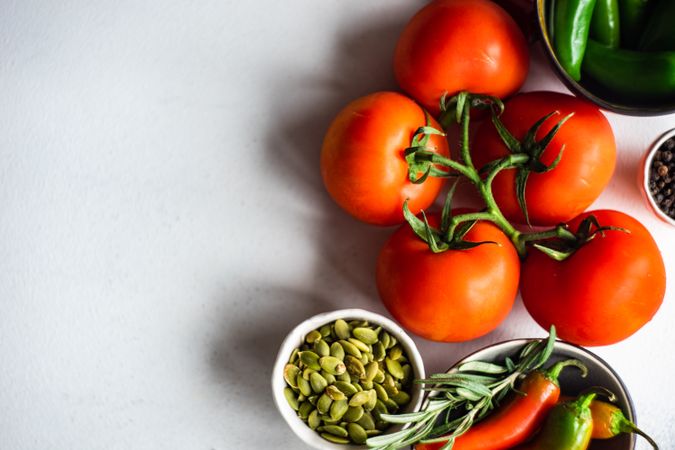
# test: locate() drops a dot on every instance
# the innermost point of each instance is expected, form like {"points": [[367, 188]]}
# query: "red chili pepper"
{"points": [[518, 419]]}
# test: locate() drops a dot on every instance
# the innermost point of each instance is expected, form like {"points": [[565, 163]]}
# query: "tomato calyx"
{"points": [[453, 109], [450, 235], [565, 244], [534, 149], [419, 143]]}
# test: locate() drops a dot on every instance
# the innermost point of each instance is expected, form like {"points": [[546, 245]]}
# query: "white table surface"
{"points": [[164, 224]]}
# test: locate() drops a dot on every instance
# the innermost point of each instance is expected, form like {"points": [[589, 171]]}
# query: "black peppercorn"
{"points": [[661, 180]]}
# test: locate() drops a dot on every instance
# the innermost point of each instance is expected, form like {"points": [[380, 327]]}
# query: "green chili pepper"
{"points": [[572, 23], [605, 23], [634, 15], [659, 33], [568, 426], [631, 74]]}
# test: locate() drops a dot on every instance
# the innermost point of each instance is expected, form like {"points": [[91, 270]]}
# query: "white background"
{"points": [[163, 223]]}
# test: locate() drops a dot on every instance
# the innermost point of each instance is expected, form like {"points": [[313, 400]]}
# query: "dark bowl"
{"points": [[599, 374], [533, 18]]}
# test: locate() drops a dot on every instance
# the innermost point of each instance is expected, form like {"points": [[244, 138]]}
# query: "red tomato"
{"points": [[586, 166], [460, 45], [604, 292], [453, 296], [362, 161]]}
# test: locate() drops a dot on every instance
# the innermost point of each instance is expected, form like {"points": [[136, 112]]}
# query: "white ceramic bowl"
{"points": [[296, 337], [571, 383], [644, 176]]}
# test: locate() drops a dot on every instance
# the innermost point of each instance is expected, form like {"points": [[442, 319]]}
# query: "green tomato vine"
{"points": [[525, 157]]}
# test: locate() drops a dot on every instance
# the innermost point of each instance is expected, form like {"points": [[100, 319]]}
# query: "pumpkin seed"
{"points": [[334, 393], [347, 388], [360, 345], [402, 398], [391, 405], [365, 335], [350, 348], [318, 382], [291, 372], [321, 348], [304, 386], [381, 393], [371, 370], [338, 409], [394, 368], [323, 404], [407, 374], [378, 409], [329, 377], [388, 381], [355, 367], [327, 420], [313, 336], [334, 439], [366, 421], [291, 398], [312, 399], [307, 373], [353, 413], [313, 420], [294, 356], [301, 398], [325, 330], [310, 359], [337, 351], [344, 377], [379, 377], [372, 400], [359, 398], [335, 430], [358, 323], [357, 433], [304, 410], [367, 384], [392, 341], [385, 339], [372, 433], [332, 365], [342, 329], [378, 351], [395, 353]]}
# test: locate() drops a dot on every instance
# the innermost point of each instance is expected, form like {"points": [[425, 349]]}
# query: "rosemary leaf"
{"points": [[464, 396]]}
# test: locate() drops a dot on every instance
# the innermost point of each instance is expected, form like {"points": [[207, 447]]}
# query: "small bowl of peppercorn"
{"points": [[658, 177]]}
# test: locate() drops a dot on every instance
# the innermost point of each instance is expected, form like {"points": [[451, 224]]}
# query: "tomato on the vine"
{"points": [[585, 167], [452, 296], [460, 45], [605, 291], [362, 159]]}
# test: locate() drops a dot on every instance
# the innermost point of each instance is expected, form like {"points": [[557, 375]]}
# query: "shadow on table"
{"points": [[304, 107], [243, 354], [346, 250]]}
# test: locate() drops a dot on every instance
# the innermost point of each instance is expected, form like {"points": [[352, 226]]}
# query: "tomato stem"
{"points": [[458, 109]]}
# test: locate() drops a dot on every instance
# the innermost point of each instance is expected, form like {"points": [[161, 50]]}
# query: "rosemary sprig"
{"points": [[461, 397]]}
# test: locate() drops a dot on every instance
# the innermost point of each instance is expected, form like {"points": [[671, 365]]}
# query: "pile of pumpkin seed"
{"points": [[344, 376]]}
